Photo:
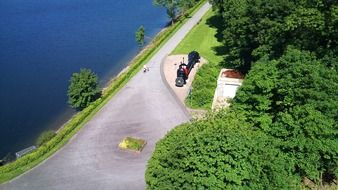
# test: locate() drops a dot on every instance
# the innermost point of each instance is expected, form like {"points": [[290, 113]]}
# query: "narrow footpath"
{"points": [[144, 108]]}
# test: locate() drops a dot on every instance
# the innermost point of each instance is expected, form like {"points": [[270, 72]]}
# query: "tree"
{"points": [[171, 7], [83, 89], [254, 29], [185, 5], [221, 152], [294, 100], [174, 7], [281, 127], [139, 36]]}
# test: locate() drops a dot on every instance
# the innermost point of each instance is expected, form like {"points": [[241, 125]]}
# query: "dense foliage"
{"points": [[257, 28], [83, 89], [218, 153], [279, 129], [282, 126], [295, 101]]}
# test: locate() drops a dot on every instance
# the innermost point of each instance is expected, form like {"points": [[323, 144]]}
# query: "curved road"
{"points": [[144, 108]]}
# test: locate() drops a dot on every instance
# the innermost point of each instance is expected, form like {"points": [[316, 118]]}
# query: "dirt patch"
{"points": [[233, 74]]}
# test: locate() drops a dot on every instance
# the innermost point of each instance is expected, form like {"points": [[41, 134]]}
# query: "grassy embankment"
{"points": [[205, 39], [29, 161]]}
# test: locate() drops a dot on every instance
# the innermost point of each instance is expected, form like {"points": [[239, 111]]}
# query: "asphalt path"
{"points": [[144, 108]]}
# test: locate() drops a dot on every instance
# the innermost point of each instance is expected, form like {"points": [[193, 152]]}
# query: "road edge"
{"points": [[171, 91]]}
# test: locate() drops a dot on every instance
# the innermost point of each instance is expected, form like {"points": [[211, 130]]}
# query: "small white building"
{"points": [[226, 88]]}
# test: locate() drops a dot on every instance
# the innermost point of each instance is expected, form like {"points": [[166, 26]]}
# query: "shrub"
{"points": [[204, 86], [45, 137]]}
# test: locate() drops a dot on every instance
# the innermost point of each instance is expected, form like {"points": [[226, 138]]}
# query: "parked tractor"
{"points": [[184, 70]]}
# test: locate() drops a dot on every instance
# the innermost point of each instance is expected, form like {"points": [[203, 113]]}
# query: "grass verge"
{"points": [[29, 161], [204, 38], [132, 144]]}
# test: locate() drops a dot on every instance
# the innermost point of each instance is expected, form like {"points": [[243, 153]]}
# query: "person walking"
{"points": [[145, 68]]}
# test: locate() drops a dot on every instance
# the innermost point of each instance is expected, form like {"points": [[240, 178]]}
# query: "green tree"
{"points": [[281, 127], [294, 100], [174, 7], [170, 5], [139, 36], [83, 89], [221, 152], [254, 29], [184, 5]]}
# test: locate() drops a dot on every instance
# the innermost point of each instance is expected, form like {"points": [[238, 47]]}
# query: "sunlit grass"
{"points": [[133, 144], [203, 38]]}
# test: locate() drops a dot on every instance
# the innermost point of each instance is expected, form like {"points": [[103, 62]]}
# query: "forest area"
{"points": [[281, 130]]}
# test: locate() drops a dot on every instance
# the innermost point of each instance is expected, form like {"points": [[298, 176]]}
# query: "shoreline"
{"points": [[63, 114], [39, 56], [72, 126]]}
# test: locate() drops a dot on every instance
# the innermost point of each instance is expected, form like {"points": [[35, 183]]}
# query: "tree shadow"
{"points": [[218, 23]]}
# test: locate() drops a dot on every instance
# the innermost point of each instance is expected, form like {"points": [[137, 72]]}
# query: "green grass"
{"points": [[133, 144], [29, 161], [204, 39], [45, 137]]}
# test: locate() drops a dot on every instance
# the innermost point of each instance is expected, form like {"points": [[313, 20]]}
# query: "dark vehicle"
{"points": [[181, 76], [184, 70], [194, 57]]}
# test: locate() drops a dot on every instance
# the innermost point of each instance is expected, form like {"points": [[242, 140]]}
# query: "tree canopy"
{"points": [[257, 28], [175, 7], [219, 153], [282, 126], [139, 35], [278, 130], [83, 89], [294, 100]]}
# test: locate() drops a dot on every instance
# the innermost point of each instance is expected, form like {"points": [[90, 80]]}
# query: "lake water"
{"points": [[42, 42]]}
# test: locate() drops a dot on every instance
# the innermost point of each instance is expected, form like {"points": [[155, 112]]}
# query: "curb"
{"points": [[183, 107]]}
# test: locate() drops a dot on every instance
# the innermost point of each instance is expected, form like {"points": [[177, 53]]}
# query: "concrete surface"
{"points": [[170, 66], [91, 160]]}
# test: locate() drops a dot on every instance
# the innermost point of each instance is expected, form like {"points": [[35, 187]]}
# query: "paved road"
{"points": [[91, 160]]}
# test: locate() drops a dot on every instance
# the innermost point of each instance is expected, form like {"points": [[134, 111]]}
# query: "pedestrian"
{"points": [[145, 68]]}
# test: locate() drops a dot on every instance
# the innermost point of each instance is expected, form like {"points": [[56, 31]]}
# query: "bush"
{"points": [[219, 153], [45, 137], [204, 86]]}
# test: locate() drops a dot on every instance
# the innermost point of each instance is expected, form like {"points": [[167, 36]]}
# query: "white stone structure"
{"points": [[226, 90]]}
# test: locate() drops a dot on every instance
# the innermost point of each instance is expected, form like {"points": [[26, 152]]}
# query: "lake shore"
{"points": [[25, 163]]}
